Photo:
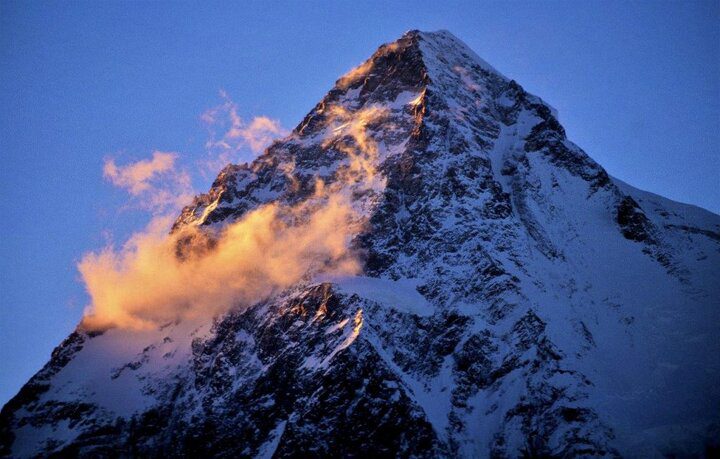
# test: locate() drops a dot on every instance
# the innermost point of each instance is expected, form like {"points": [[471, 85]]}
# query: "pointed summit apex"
{"points": [[427, 34], [419, 58]]}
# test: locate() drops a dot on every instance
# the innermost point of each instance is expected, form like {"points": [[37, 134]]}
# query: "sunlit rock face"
{"points": [[514, 299]]}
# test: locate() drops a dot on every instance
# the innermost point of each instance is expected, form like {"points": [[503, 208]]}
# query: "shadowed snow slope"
{"points": [[514, 298]]}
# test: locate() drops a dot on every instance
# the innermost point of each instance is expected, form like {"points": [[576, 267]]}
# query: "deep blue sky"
{"points": [[637, 86]]}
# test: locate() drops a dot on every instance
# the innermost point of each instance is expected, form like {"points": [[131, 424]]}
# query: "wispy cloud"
{"points": [[233, 139], [136, 177], [155, 184]]}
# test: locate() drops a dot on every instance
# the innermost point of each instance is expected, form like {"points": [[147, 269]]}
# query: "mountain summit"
{"points": [[500, 295]]}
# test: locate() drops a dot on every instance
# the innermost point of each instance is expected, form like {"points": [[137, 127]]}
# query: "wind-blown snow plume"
{"points": [[363, 68], [157, 276], [363, 150]]}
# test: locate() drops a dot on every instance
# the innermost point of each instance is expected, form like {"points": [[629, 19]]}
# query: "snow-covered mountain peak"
{"points": [[413, 63], [511, 298]]}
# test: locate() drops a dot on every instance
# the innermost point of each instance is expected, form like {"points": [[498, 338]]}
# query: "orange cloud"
{"points": [[158, 277], [135, 177], [155, 184]]}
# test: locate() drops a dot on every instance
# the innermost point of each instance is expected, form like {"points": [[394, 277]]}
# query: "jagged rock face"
{"points": [[518, 300]]}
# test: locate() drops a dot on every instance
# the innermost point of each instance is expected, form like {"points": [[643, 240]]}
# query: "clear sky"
{"points": [[637, 85]]}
